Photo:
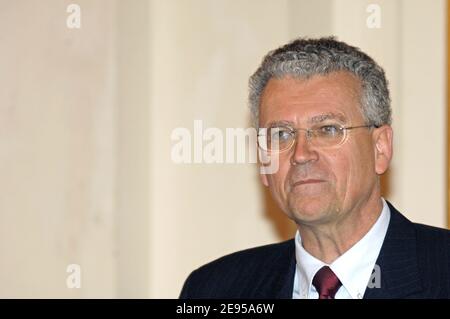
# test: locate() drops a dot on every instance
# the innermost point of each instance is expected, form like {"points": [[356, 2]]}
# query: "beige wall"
{"points": [[57, 162], [87, 115]]}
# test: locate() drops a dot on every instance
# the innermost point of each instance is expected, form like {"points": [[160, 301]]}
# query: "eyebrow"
{"points": [[327, 116], [313, 120], [280, 123]]}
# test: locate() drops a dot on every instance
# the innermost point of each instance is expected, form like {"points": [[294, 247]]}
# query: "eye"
{"points": [[331, 130], [280, 134]]}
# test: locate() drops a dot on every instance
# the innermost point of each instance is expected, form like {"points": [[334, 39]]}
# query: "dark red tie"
{"points": [[326, 283]]}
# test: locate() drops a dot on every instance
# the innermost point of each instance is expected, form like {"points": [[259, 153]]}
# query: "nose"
{"points": [[303, 152]]}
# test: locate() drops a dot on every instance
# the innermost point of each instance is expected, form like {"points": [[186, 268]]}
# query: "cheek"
{"points": [[361, 169], [277, 181], [345, 171], [340, 168]]}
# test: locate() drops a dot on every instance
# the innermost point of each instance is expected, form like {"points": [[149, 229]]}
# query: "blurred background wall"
{"points": [[86, 116]]}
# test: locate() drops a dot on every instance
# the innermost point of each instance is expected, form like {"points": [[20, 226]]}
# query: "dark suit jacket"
{"points": [[414, 262]]}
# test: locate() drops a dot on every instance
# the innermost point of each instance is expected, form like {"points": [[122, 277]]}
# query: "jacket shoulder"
{"points": [[222, 277], [432, 236], [433, 246]]}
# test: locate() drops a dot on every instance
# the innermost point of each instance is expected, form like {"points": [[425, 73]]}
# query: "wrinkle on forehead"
{"points": [[332, 91], [316, 119]]}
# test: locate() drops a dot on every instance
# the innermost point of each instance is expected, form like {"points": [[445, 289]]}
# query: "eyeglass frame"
{"points": [[309, 135]]}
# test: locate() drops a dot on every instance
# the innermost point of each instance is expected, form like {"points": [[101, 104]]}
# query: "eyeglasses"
{"points": [[281, 138]]}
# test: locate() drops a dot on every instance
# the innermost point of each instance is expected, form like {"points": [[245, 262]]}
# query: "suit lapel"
{"points": [[398, 264], [278, 279]]}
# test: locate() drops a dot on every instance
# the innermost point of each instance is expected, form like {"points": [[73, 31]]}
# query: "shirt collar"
{"points": [[354, 267]]}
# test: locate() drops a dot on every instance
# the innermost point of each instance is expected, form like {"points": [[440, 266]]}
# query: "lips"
{"points": [[307, 182]]}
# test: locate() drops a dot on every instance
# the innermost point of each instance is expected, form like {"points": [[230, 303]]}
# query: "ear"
{"points": [[264, 179], [382, 141]]}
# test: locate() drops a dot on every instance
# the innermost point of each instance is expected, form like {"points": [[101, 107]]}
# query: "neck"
{"points": [[328, 241]]}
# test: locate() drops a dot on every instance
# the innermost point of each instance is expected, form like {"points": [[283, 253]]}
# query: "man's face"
{"points": [[321, 184]]}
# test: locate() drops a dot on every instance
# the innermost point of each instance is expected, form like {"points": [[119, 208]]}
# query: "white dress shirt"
{"points": [[353, 268]]}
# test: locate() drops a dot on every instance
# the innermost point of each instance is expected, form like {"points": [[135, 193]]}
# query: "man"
{"points": [[323, 112]]}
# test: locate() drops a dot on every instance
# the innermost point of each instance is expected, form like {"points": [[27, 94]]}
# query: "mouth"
{"points": [[307, 182]]}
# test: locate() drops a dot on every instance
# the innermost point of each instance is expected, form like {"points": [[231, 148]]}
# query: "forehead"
{"points": [[301, 101]]}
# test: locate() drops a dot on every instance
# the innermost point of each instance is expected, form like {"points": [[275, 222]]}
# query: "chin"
{"points": [[309, 210]]}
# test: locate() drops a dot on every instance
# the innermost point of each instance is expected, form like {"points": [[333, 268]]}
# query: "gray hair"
{"points": [[304, 58]]}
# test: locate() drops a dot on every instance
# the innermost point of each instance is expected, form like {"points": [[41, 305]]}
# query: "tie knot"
{"points": [[326, 283]]}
